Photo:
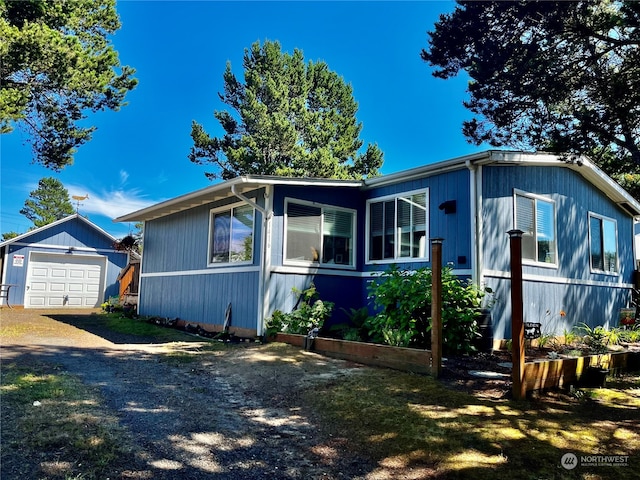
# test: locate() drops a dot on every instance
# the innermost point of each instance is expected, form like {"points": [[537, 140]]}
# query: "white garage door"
{"points": [[64, 281]]}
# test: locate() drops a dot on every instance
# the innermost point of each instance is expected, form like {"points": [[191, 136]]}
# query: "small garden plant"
{"points": [[586, 340], [309, 313]]}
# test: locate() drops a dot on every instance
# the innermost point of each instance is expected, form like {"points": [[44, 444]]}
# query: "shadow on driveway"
{"points": [[97, 324]]}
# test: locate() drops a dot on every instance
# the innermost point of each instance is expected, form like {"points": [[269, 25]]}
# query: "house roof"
{"points": [[242, 184], [582, 165], [222, 190], [69, 218]]}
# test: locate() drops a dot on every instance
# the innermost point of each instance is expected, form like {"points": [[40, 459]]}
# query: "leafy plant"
{"points": [[546, 340], [356, 328], [570, 336], [111, 305], [310, 312], [596, 338], [631, 336], [508, 343], [403, 299]]}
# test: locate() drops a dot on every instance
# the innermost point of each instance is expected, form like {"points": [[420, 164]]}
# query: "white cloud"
{"points": [[111, 204], [124, 176]]}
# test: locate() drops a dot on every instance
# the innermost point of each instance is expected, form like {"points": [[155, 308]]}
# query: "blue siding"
{"points": [[177, 282], [57, 239], [455, 228], [72, 233], [349, 291], [347, 198], [177, 245], [575, 198], [345, 292], [203, 298], [180, 242], [592, 305]]}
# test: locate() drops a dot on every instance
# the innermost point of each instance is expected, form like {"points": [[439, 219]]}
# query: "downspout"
{"points": [[242, 197], [5, 259], [267, 214], [475, 173], [140, 270]]}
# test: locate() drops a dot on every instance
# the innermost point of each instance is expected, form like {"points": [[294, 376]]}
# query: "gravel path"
{"points": [[232, 414]]}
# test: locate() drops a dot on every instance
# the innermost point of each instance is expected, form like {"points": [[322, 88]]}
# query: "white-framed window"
{"points": [[603, 244], [398, 227], [231, 234], [319, 234], [536, 217]]}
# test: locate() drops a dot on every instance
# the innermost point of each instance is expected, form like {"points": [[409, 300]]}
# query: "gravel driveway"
{"points": [[229, 414]]}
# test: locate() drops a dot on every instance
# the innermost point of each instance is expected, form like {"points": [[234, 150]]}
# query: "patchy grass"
{"points": [[54, 427], [413, 423], [141, 328]]}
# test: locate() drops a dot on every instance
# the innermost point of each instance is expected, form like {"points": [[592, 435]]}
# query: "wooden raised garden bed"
{"points": [[398, 358], [538, 374], [562, 372]]}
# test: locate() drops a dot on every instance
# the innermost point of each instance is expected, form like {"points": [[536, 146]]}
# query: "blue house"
{"points": [[70, 263], [248, 241]]}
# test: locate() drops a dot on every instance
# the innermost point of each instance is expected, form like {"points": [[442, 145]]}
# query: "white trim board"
{"points": [[209, 271], [528, 277], [37, 246]]}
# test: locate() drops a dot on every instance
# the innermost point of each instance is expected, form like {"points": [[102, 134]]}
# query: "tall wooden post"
{"points": [[436, 306], [517, 321]]}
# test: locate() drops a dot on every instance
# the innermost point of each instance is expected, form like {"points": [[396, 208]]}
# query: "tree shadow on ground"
{"points": [[99, 325], [192, 419]]}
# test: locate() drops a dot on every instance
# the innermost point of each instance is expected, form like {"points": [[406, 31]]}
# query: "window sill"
{"points": [[230, 264], [317, 265], [391, 261], [530, 263], [603, 272]]}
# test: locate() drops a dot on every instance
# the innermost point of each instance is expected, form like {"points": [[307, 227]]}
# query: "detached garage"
{"points": [[71, 263]]}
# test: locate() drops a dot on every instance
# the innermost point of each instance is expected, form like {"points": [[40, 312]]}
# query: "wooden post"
{"points": [[517, 321], [436, 306]]}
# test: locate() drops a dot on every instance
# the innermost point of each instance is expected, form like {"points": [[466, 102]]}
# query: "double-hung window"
{"points": [[536, 217], [231, 234], [398, 227], [319, 234], [603, 244]]}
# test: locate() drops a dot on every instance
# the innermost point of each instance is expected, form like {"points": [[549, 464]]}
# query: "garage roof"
{"points": [[53, 224]]}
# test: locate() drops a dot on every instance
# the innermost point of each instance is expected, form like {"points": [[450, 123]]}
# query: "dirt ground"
{"points": [[234, 414]]}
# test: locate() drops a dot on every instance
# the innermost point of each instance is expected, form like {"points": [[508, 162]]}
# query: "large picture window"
{"points": [[319, 234], [603, 244], [231, 236], [536, 217], [398, 227]]}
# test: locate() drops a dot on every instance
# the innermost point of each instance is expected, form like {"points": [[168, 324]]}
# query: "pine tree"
{"points": [[287, 118], [48, 203]]}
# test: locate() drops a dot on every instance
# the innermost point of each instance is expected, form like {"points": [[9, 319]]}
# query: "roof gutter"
{"points": [[427, 170]]}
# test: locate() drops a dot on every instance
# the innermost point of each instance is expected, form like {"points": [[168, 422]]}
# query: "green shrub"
{"points": [[631, 335], [355, 329], [403, 301], [309, 313], [599, 338]]}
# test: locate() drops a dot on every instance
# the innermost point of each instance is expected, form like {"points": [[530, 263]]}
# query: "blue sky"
{"points": [[138, 156]]}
